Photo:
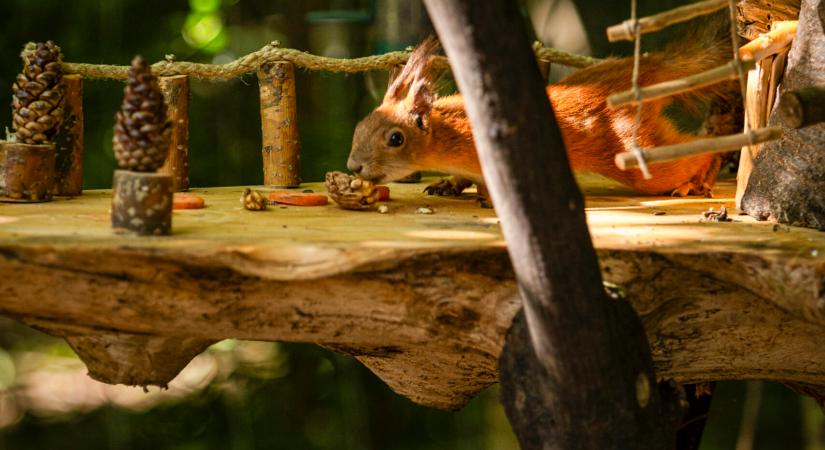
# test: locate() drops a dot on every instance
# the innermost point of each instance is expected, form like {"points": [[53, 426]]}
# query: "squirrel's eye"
{"points": [[396, 139]]}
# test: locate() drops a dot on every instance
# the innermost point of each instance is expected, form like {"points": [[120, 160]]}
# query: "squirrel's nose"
{"points": [[354, 167]]}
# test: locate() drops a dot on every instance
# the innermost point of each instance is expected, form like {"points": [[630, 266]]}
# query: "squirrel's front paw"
{"points": [[691, 188], [448, 186]]}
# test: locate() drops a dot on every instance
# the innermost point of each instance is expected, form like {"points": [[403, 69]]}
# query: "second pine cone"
{"points": [[141, 137]]}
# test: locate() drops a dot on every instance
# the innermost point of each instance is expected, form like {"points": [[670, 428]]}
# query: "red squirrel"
{"points": [[412, 130]]}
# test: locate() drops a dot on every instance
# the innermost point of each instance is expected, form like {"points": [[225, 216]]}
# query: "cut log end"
{"points": [[803, 107]]}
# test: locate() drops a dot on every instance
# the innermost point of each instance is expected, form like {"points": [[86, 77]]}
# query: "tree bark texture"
{"points": [[586, 363], [69, 140], [176, 96], [424, 301], [754, 17], [788, 179]]}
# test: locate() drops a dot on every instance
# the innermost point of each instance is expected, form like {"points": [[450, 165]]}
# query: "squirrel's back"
{"points": [[594, 133]]}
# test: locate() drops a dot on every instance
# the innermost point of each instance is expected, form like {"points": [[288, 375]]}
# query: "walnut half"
{"points": [[351, 192]]}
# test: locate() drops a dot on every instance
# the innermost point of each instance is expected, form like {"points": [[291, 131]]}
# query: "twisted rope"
{"points": [[272, 53]]}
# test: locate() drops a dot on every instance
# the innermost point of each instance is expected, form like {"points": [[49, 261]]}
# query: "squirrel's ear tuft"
{"points": [[421, 101], [417, 67]]}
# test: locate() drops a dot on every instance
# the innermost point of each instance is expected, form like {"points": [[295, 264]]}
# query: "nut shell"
{"points": [[351, 192]]}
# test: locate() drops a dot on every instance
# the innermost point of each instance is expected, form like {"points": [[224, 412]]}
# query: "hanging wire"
{"points": [[743, 83], [637, 93]]}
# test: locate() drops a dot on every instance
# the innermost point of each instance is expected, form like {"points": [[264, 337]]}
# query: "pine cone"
{"points": [[37, 99], [141, 138]]}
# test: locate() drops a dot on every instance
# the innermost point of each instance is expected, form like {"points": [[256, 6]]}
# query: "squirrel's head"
{"points": [[389, 143]]}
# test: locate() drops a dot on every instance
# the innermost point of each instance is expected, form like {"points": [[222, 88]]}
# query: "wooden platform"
{"points": [[423, 300]]}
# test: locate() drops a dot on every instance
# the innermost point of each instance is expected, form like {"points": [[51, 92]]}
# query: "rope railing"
{"points": [[271, 53]]}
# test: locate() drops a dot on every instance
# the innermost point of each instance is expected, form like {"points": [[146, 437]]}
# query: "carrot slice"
{"points": [[383, 193], [186, 201], [298, 198]]}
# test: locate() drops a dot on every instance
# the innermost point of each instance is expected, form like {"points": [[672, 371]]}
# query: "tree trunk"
{"points": [[579, 374]]}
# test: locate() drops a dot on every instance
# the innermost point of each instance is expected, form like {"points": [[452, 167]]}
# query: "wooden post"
{"points": [[176, 96], [69, 140], [279, 125], [142, 203], [27, 172], [580, 373]]}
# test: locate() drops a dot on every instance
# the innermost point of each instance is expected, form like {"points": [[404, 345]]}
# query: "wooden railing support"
{"points": [[281, 147], [176, 95], [69, 140]]}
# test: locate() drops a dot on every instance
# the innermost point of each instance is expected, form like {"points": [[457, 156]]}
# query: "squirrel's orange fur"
{"points": [[436, 134]]}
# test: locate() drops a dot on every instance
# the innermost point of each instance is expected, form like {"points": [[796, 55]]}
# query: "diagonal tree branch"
{"points": [[584, 377]]}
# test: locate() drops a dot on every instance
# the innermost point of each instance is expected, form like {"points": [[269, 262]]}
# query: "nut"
{"points": [[253, 200], [351, 192]]}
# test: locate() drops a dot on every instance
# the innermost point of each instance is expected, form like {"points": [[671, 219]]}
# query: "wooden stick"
{"points": [[142, 203], [624, 30], [176, 95], [544, 68], [755, 117], [279, 126], [803, 107], [725, 72], [626, 160], [69, 140], [770, 43], [777, 71]]}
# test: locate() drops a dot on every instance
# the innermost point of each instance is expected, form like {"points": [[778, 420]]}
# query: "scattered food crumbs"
{"points": [[715, 216], [659, 213], [283, 226], [284, 207], [182, 200], [814, 252], [298, 198], [383, 209], [307, 191], [253, 200], [424, 210]]}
